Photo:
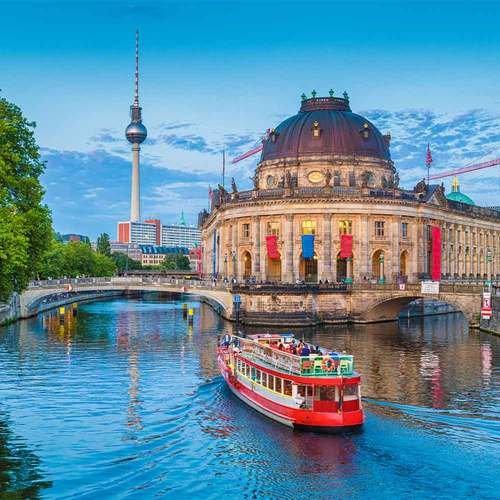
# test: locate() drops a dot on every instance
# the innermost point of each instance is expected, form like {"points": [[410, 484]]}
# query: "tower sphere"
{"points": [[136, 133]]}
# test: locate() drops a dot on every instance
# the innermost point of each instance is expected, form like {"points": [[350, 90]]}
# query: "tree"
{"points": [[182, 263], [124, 262], [176, 262], [103, 246], [75, 259], [25, 224]]}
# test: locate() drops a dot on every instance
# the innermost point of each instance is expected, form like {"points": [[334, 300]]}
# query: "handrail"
{"points": [[312, 365]]}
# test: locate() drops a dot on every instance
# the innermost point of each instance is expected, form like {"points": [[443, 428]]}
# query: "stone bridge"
{"points": [[382, 303], [262, 304], [45, 296]]}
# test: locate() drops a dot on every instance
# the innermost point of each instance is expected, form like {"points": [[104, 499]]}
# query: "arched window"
{"points": [[308, 227]]}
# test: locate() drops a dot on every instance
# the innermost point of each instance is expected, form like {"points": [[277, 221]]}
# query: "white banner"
{"points": [[430, 287]]}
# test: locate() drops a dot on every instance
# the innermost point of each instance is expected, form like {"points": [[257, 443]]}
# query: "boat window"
{"points": [[264, 379], [253, 372], [287, 387], [270, 382], [326, 393], [305, 390], [351, 390], [247, 370], [277, 386]]}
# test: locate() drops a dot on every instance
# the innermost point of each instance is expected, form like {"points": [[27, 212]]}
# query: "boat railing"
{"points": [[312, 365]]}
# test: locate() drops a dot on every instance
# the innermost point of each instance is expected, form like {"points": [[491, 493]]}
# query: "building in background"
{"points": [[153, 255], [153, 232], [142, 233], [180, 235], [195, 260], [66, 238], [133, 250]]}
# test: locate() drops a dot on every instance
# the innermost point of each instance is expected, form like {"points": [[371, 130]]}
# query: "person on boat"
{"points": [[226, 340], [305, 350], [281, 347]]}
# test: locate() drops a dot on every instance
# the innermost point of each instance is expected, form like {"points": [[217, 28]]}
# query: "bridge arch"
{"points": [[388, 309]]}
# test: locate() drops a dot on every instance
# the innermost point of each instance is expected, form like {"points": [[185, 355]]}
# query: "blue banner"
{"points": [[308, 246]]}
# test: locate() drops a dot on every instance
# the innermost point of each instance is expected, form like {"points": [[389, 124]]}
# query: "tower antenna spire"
{"points": [[136, 93], [136, 134]]}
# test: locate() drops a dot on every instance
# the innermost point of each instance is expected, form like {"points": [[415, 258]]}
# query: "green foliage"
{"points": [[75, 259], [25, 224], [103, 246], [120, 260], [176, 262]]}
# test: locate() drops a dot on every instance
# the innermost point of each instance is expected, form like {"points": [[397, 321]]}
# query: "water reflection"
{"points": [[128, 397], [20, 475]]}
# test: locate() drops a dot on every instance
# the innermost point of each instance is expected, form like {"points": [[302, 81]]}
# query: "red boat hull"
{"points": [[292, 417]]}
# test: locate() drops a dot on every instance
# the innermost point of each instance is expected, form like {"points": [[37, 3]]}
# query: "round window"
{"points": [[270, 181], [316, 177]]}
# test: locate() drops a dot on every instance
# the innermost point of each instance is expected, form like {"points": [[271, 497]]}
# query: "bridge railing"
{"points": [[128, 280]]}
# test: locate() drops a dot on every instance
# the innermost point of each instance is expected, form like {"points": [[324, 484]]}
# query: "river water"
{"points": [[123, 400]]}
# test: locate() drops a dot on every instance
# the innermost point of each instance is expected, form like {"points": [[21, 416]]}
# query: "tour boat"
{"points": [[318, 391]]}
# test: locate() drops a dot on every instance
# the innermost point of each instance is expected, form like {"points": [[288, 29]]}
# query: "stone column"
{"points": [[421, 243], [288, 249], [234, 251], [363, 257], [256, 246], [263, 251], [296, 245], [326, 257], [394, 235]]}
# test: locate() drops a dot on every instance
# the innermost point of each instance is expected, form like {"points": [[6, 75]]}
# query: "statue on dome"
{"points": [[366, 179], [328, 178], [255, 180], [288, 179]]}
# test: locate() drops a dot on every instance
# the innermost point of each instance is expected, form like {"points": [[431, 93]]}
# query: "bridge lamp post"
{"points": [[489, 259], [233, 253], [225, 265], [381, 279]]}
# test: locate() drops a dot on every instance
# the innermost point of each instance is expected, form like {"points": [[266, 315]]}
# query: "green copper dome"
{"points": [[456, 195]]}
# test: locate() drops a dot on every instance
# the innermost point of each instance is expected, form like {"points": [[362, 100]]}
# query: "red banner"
{"points": [[435, 253], [345, 246], [272, 247]]}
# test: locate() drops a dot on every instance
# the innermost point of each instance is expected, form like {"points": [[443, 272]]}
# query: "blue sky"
{"points": [[217, 74]]}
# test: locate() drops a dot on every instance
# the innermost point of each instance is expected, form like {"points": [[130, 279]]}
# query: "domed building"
{"points": [[457, 195], [327, 206]]}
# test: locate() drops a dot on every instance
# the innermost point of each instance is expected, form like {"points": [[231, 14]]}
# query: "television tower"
{"points": [[136, 133]]}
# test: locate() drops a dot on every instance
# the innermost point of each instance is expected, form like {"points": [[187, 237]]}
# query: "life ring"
{"points": [[327, 364]]}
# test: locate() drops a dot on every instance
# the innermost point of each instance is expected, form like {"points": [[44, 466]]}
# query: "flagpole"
{"points": [[223, 168]]}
